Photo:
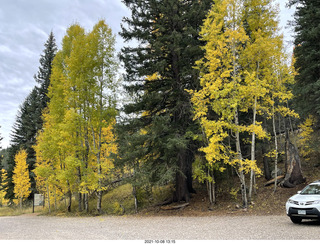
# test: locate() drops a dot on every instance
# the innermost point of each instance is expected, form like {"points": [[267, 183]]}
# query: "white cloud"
{"points": [[25, 26], [5, 49]]}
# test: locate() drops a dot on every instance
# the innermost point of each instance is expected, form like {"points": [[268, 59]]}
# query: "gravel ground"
{"points": [[31, 227]]}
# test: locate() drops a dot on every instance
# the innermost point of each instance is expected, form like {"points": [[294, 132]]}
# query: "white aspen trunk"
{"points": [[241, 172], [211, 189], [238, 147], [98, 155], [97, 146], [134, 193], [99, 200], [55, 199], [276, 148], [86, 202], [48, 194], [134, 190], [20, 203], [252, 175], [209, 192], [209, 186], [253, 141], [79, 202]]}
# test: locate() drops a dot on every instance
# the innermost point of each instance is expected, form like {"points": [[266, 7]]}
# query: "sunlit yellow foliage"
{"points": [[73, 149], [240, 73], [305, 137], [154, 76], [222, 90], [246, 165], [271, 154], [20, 177], [102, 170], [243, 72]]}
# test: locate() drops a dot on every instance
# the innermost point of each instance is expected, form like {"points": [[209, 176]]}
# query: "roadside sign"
{"points": [[38, 200]]}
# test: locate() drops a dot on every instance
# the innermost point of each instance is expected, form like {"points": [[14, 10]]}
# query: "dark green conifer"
{"points": [[44, 73], [25, 129], [307, 54], [29, 118], [160, 136]]}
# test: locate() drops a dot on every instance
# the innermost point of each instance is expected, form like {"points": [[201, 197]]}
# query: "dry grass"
{"points": [[15, 211], [120, 201]]}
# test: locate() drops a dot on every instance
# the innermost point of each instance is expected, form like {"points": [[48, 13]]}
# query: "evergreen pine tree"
{"points": [[28, 121], [158, 73], [9, 163], [44, 73], [29, 118], [307, 55], [25, 129]]}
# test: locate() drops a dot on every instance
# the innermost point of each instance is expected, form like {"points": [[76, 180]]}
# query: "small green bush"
{"points": [[117, 208]]}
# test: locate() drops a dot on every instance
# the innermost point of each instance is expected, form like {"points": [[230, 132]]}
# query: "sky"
{"points": [[24, 28]]}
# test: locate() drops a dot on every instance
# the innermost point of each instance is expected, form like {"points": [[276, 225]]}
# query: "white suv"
{"points": [[305, 204]]}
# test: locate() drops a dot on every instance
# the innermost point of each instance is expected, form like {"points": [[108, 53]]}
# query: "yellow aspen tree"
{"points": [[45, 175], [102, 44], [21, 177], [278, 100], [92, 69], [57, 144], [305, 137], [243, 72], [80, 94], [81, 108], [258, 60], [221, 92], [103, 164]]}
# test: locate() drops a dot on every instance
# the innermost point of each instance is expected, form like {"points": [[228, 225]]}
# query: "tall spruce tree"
{"points": [[44, 73], [29, 118], [158, 72], [23, 135], [28, 121], [307, 55]]}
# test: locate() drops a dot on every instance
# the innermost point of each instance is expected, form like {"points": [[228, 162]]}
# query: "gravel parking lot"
{"points": [[31, 227]]}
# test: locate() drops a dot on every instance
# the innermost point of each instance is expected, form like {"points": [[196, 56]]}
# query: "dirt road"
{"points": [[31, 227]]}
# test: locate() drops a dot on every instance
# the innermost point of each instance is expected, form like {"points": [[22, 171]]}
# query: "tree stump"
{"points": [[293, 175]]}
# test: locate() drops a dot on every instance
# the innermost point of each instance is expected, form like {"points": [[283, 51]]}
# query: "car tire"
{"points": [[296, 220]]}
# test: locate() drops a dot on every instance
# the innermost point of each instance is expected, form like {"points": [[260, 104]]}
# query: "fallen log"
{"points": [[280, 177], [173, 207], [166, 202]]}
